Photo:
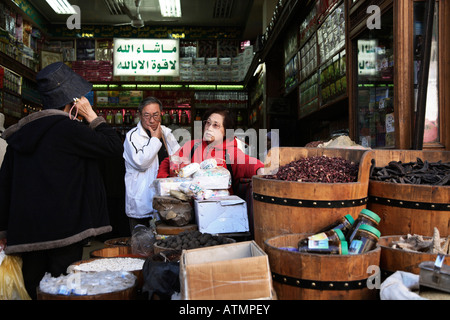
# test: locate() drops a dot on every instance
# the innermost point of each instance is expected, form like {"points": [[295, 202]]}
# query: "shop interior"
{"points": [[313, 71]]}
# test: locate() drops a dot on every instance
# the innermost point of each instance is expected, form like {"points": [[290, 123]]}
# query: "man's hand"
{"points": [[157, 133], [85, 109]]}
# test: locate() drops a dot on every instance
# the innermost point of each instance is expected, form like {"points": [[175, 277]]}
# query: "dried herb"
{"points": [[321, 169]]}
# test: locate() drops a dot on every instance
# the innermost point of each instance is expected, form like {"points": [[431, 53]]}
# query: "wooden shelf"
{"points": [[17, 67]]}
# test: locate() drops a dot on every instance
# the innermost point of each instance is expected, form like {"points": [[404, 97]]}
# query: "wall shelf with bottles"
{"points": [[235, 101], [182, 104]]}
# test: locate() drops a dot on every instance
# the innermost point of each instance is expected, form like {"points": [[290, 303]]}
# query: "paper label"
{"points": [[355, 247], [318, 244], [319, 236]]}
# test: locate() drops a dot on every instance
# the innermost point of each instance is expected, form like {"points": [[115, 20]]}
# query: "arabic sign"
{"points": [[146, 57]]}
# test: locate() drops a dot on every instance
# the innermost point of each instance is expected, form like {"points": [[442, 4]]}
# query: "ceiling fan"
{"points": [[136, 20]]}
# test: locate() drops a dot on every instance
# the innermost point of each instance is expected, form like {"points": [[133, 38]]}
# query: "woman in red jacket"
{"points": [[215, 144]]}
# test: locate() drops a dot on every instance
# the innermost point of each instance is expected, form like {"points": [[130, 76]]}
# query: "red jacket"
{"points": [[242, 165]]}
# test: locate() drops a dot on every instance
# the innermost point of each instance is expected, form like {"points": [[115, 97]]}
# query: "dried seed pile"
{"points": [[111, 264], [419, 172], [192, 240], [318, 169]]}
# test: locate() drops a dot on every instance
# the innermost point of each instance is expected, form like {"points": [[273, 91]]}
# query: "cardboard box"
{"points": [[236, 271], [221, 215]]}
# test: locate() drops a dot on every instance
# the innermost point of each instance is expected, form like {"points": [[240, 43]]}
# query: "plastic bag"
{"points": [[142, 240], [213, 179], [12, 286], [161, 278]]}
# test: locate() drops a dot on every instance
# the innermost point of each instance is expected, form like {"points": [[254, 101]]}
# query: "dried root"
{"points": [[416, 243]]}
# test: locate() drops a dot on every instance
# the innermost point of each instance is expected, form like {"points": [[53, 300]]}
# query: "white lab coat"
{"points": [[141, 164]]}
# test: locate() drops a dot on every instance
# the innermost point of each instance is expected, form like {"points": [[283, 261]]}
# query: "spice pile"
{"points": [[318, 169], [419, 172], [192, 240]]}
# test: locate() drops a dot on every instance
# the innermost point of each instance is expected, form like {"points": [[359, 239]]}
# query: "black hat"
{"points": [[59, 85]]}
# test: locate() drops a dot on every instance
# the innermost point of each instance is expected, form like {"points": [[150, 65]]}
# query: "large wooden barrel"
{"points": [[408, 208], [114, 252], [124, 241], [394, 259], [304, 276], [283, 207], [138, 273]]}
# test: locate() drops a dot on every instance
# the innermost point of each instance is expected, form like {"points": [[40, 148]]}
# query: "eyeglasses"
{"points": [[148, 116], [208, 123]]}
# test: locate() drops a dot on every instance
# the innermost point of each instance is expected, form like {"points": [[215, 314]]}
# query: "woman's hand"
{"points": [[85, 109], [260, 172]]}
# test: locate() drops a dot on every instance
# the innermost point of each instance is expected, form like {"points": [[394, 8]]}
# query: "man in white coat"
{"points": [[145, 146]]}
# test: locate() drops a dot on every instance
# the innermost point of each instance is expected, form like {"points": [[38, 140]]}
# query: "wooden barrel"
{"points": [[304, 276], [124, 241], [138, 273], [114, 252], [408, 208], [283, 207], [394, 259]]}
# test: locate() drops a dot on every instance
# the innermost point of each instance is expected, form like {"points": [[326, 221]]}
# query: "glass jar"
{"points": [[184, 118], [109, 117], [331, 235], [365, 217], [136, 118], [325, 247], [175, 119], [127, 118], [166, 119], [366, 239], [118, 118], [344, 224]]}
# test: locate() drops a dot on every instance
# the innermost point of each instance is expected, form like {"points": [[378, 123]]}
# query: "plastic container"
{"points": [[365, 217], [365, 239]]}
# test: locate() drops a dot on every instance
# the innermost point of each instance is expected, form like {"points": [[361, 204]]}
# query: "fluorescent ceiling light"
{"points": [[61, 6], [170, 8]]}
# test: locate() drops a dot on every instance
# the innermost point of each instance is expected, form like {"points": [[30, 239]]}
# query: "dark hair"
{"points": [[149, 100], [228, 118]]}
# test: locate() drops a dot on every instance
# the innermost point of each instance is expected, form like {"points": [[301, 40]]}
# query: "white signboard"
{"points": [[367, 57], [146, 57]]}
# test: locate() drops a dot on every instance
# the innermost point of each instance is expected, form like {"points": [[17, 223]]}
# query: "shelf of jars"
{"points": [[322, 61], [235, 101], [120, 108]]}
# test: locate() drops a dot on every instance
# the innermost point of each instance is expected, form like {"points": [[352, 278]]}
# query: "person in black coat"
{"points": [[52, 196]]}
